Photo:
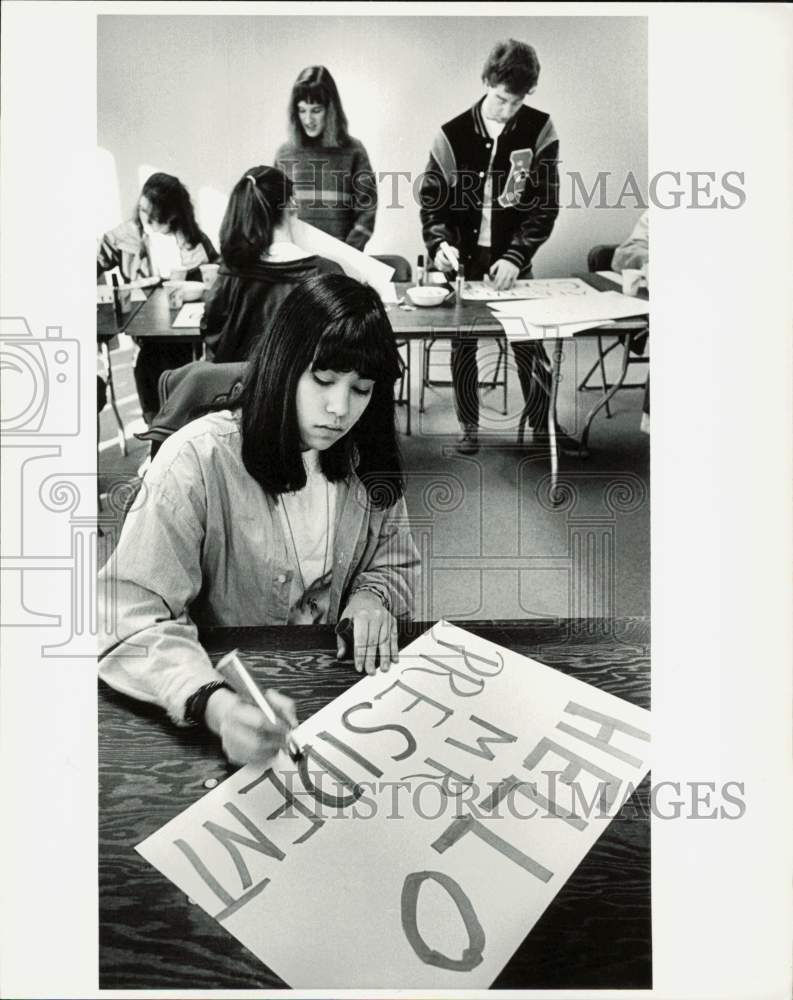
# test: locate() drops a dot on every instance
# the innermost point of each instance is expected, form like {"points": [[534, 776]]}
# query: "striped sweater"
{"points": [[335, 188], [525, 185]]}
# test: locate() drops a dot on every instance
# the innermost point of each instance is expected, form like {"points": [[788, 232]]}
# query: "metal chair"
{"points": [[402, 272], [599, 259], [106, 345]]}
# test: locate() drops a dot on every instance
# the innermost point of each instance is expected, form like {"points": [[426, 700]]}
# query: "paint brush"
{"points": [[233, 670]]}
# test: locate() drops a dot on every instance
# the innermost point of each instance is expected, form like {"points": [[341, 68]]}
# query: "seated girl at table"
{"points": [[334, 181], [162, 234], [286, 508], [260, 264]]}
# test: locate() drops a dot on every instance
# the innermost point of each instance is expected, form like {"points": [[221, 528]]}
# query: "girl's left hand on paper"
{"points": [[245, 732], [503, 274], [374, 633]]}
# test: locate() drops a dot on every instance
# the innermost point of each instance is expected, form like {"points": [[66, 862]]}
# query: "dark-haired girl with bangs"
{"points": [[261, 264], [334, 182], [162, 233], [287, 508]]}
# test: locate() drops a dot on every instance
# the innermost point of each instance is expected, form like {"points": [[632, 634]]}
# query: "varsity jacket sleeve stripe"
{"points": [[539, 204], [546, 137], [435, 196]]}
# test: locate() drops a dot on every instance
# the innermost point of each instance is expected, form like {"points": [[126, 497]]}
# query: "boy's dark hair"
{"points": [[329, 322], [256, 206], [315, 85], [170, 206], [515, 64]]}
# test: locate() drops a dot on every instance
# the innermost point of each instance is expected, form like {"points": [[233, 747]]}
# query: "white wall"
{"points": [[205, 97]]}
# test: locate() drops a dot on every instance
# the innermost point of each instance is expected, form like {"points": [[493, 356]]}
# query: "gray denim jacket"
{"points": [[203, 545]]}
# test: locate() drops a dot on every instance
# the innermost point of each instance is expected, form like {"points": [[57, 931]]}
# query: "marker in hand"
{"points": [[233, 670], [452, 254]]}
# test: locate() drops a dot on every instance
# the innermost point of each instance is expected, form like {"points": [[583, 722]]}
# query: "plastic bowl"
{"points": [[423, 295], [193, 291]]}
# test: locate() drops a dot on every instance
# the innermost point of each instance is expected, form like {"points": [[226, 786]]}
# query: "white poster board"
{"points": [[439, 809], [357, 265]]}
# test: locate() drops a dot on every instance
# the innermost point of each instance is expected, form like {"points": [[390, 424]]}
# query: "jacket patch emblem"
{"points": [[519, 167]]}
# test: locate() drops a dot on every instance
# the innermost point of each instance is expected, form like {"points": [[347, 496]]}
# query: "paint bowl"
{"points": [[192, 291], [427, 296]]}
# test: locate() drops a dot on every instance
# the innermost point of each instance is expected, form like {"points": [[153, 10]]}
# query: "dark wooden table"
{"points": [[596, 934], [107, 325], [153, 322]]}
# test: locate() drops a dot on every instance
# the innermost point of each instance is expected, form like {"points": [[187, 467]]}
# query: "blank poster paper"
{"points": [[438, 810]]}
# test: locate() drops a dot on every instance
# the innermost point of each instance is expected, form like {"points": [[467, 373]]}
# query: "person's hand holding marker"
{"points": [[368, 631], [253, 725], [246, 734]]}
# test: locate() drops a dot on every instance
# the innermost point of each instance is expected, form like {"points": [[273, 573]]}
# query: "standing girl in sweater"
{"points": [[334, 182]]}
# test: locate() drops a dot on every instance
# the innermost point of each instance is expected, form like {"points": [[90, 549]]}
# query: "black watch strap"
{"points": [[196, 705]]}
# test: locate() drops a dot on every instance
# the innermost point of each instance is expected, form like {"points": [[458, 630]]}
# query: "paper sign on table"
{"points": [[438, 810], [189, 316], [518, 329], [527, 288], [569, 309], [358, 265]]}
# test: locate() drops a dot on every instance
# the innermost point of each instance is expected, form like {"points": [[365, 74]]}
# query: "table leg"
{"points": [[556, 368], [625, 340], [602, 360], [505, 358], [407, 374], [422, 370], [111, 391]]}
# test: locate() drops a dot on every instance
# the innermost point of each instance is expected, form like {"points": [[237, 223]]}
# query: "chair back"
{"points": [[187, 392], [599, 257], [402, 270]]}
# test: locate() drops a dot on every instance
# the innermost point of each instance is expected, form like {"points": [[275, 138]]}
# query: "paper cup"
{"points": [[630, 281], [179, 273], [175, 293], [209, 273]]}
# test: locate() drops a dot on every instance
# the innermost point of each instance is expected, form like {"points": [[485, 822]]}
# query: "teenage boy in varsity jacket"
{"points": [[489, 200]]}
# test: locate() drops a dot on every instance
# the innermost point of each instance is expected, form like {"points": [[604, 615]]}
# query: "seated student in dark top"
{"points": [[260, 264]]}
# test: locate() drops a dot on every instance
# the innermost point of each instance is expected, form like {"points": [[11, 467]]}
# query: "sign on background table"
{"points": [[438, 810], [526, 288]]}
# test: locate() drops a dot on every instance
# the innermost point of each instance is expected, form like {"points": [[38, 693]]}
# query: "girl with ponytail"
{"points": [[260, 264]]}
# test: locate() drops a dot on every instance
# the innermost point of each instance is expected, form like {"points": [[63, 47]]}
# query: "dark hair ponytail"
{"points": [[256, 206]]}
